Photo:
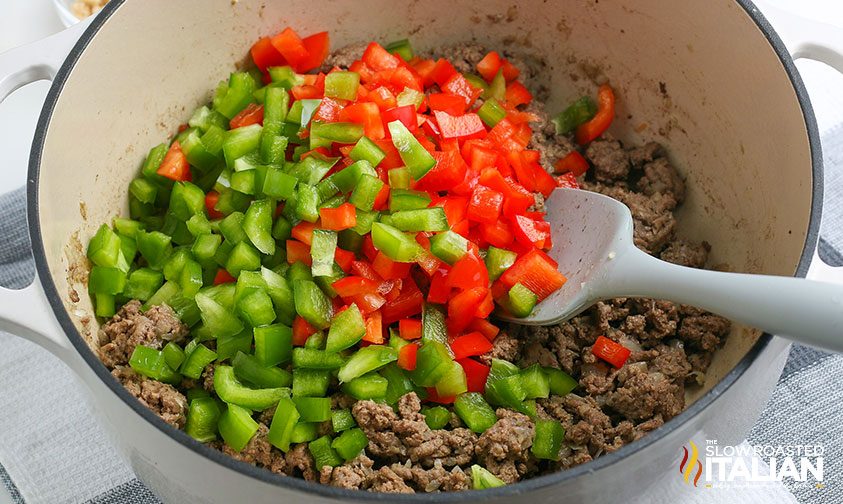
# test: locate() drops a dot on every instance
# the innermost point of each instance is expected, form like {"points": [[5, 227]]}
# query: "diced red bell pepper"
{"points": [[468, 273], [410, 329], [305, 92], [452, 104], [460, 127], [252, 114], [393, 158], [374, 328], [459, 85], [405, 77], [439, 292], [407, 356], [483, 157], [573, 163], [567, 180], [265, 55], [344, 258], [389, 269], [517, 94], [328, 110], [601, 121], [449, 170], [488, 66], [434, 397], [303, 232], [407, 304], [354, 285], [536, 271], [423, 67], [510, 71], [507, 137], [485, 205], [365, 270], [174, 166], [318, 45], [461, 308], [302, 330], [383, 98], [368, 248], [339, 218], [497, 234], [610, 351], [406, 114], [442, 71], [476, 374], [382, 198], [211, 200], [377, 58], [223, 276], [531, 232], [483, 326], [486, 307], [298, 252], [368, 302], [469, 345], [428, 262], [291, 46], [369, 115]]}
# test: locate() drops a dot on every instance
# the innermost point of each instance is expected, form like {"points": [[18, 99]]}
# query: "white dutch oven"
{"points": [[710, 80]]}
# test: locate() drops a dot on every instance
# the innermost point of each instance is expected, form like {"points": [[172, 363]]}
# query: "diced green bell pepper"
{"points": [[278, 184], [310, 358], [548, 439], [579, 112], [323, 454], [104, 248], [425, 219], [370, 386], [143, 283], [273, 345], [312, 304], [482, 479], [436, 417], [152, 364], [155, 247], [401, 48], [520, 301], [365, 360], [242, 257], [350, 443], [497, 261], [560, 382], [304, 432], [406, 199], [236, 427], [173, 354], [144, 190], [367, 150], [395, 244], [433, 360], [398, 383], [448, 246], [307, 203], [219, 320], [197, 360], [413, 154], [342, 85], [284, 420], [249, 369], [106, 280], [322, 249], [230, 390], [342, 419], [241, 141], [257, 224], [535, 382], [203, 414], [366, 191], [347, 328], [475, 412], [313, 409], [453, 381], [310, 382]]}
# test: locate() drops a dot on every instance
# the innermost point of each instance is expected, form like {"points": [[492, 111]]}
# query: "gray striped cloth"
{"points": [[52, 452]]}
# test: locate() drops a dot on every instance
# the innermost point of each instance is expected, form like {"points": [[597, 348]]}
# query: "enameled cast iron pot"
{"points": [[710, 80]]}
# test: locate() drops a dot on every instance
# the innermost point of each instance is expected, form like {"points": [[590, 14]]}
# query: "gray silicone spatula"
{"points": [[592, 242]]}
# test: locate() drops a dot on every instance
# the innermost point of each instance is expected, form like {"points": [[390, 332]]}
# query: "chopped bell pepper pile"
{"points": [[351, 229]]}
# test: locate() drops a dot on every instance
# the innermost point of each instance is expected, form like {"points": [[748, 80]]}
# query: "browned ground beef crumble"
{"points": [[672, 347]]}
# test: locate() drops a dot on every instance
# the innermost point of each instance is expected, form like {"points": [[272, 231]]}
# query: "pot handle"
{"points": [[20, 66], [815, 40]]}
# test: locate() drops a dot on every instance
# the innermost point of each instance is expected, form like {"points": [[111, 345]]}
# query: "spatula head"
{"points": [[589, 230]]}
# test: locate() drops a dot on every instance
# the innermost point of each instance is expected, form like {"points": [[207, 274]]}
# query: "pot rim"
{"points": [[301, 485]]}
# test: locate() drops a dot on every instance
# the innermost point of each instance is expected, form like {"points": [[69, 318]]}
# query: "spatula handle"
{"points": [[802, 310]]}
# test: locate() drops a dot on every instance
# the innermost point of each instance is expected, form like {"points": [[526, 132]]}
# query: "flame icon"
{"points": [[689, 464]]}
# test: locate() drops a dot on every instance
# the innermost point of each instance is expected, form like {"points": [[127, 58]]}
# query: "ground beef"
{"points": [[131, 327], [654, 224], [609, 160], [685, 253], [660, 177], [259, 452], [504, 449], [164, 400], [300, 463]]}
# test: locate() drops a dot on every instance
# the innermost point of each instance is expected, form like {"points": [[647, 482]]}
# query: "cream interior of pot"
{"points": [[699, 77]]}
